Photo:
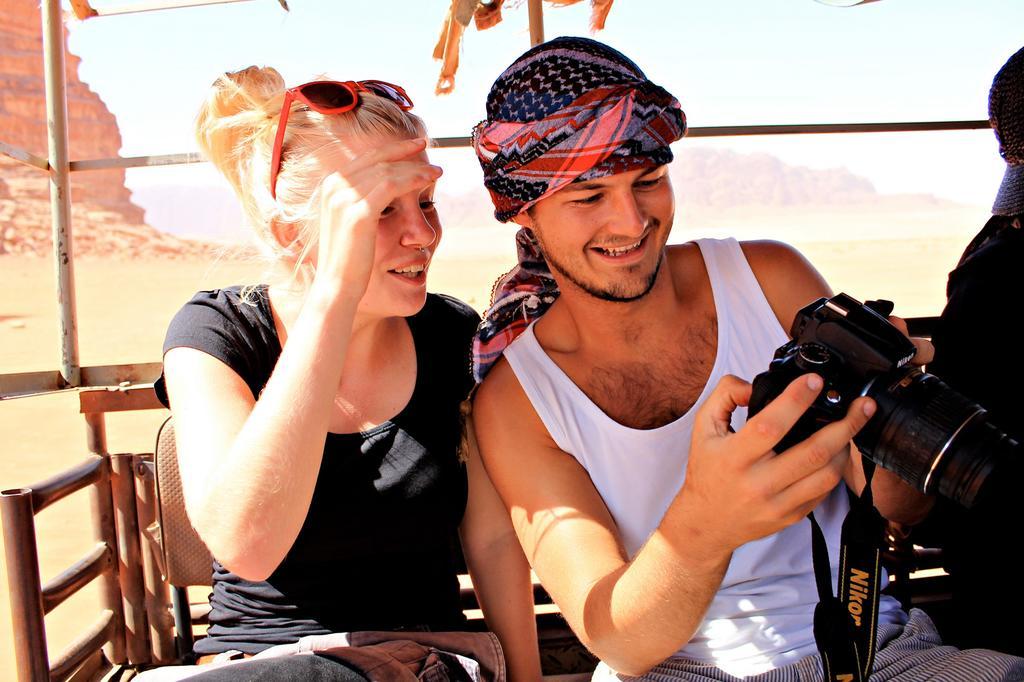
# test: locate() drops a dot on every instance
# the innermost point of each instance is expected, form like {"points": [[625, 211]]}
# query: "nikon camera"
{"points": [[934, 438]]}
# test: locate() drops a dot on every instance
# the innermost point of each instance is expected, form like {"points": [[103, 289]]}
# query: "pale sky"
{"points": [[728, 61]]}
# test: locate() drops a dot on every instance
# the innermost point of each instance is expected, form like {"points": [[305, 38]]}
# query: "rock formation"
{"points": [[104, 220]]}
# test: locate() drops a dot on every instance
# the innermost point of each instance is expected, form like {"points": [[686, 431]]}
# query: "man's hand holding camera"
{"points": [[738, 489]]}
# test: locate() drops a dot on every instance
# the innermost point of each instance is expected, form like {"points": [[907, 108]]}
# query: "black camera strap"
{"points": [[845, 625]]}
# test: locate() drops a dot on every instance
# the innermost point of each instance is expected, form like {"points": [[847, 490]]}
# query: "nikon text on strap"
{"points": [[845, 624]]}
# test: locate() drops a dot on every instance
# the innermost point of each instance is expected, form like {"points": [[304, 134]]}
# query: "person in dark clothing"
{"points": [[317, 416], [975, 353]]}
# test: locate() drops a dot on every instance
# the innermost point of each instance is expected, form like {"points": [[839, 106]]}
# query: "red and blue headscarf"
{"points": [[569, 109]]}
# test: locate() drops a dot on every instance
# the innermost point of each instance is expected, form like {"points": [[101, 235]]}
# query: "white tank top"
{"points": [[762, 616]]}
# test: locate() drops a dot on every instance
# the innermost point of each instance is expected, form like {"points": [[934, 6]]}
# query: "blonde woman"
{"points": [[317, 416]]}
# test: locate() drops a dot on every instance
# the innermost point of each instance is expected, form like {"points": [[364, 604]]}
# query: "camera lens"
{"points": [[933, 437]]}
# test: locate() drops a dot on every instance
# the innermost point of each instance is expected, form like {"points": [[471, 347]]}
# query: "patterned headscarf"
{"points": [[569, 109]]}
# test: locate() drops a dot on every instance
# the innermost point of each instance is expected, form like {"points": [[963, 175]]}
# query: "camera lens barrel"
{"points": [[933, 437], [982, 451]]}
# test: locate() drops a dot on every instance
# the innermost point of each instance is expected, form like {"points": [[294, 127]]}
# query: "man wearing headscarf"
{"points": [[611, 415], [985, 292]]}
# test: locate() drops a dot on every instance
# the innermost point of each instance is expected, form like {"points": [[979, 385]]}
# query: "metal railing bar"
{"points": [[94, 402], [100, 376], [129, 557], [82, 9], [30, 383], [836, 128], [25, 157], [84, 646], [65, 483], [138, 161], [451, 142], [536, 8], [25, 384], [138, 7], [22, 564], [78, 575], [698, 131], [161, 623], [183, 620], [60, 187], [95, 667], [109, 584]]}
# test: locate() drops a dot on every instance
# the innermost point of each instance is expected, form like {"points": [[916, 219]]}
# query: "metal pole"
{"points": [[110, 587], [129, 569], [536, 22], [154, 6], [161, 624], [24, 584], [60, 189], [184, 640], [96, 433]]}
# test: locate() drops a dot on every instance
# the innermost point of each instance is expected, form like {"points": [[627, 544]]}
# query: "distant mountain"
{"points": [[726, 179], [705, 177]]}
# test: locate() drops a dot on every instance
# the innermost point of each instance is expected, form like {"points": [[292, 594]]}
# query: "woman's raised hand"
{"points": [[351, 201]]}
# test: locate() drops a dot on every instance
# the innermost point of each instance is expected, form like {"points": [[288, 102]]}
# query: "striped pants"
{"points": [[906, 653]]}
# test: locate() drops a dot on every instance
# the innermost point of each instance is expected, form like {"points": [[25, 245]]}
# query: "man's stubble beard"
{"points": [[613, 294]]}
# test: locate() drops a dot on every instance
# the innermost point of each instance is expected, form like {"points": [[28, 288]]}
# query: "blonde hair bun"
{"points": [[237, 111]]}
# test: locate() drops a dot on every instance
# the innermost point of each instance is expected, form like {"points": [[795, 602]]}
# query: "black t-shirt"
{"points": [[379, 546]]}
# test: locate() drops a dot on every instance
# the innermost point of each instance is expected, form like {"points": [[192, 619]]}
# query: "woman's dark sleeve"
{"points": [[219, 324]]}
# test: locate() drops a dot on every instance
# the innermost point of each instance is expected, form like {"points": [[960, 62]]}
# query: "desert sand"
{"points": [[123, 310]]}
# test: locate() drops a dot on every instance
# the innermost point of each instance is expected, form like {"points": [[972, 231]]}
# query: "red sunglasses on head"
{"points": [[329, 97]]}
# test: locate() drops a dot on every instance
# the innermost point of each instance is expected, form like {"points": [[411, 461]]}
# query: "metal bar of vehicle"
{"points": [[102, 506], [697, 131], [94, 668], [84, 11], [21, 560], [121, 399], [183, 619], [121, 377], [161, 623], [138, 162], [77, 576], [63, 484], [129, 553], [31, 601], [835, 128], [96, 433], [88, 643], [536, 8], [27, 158], [60, 188]]}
